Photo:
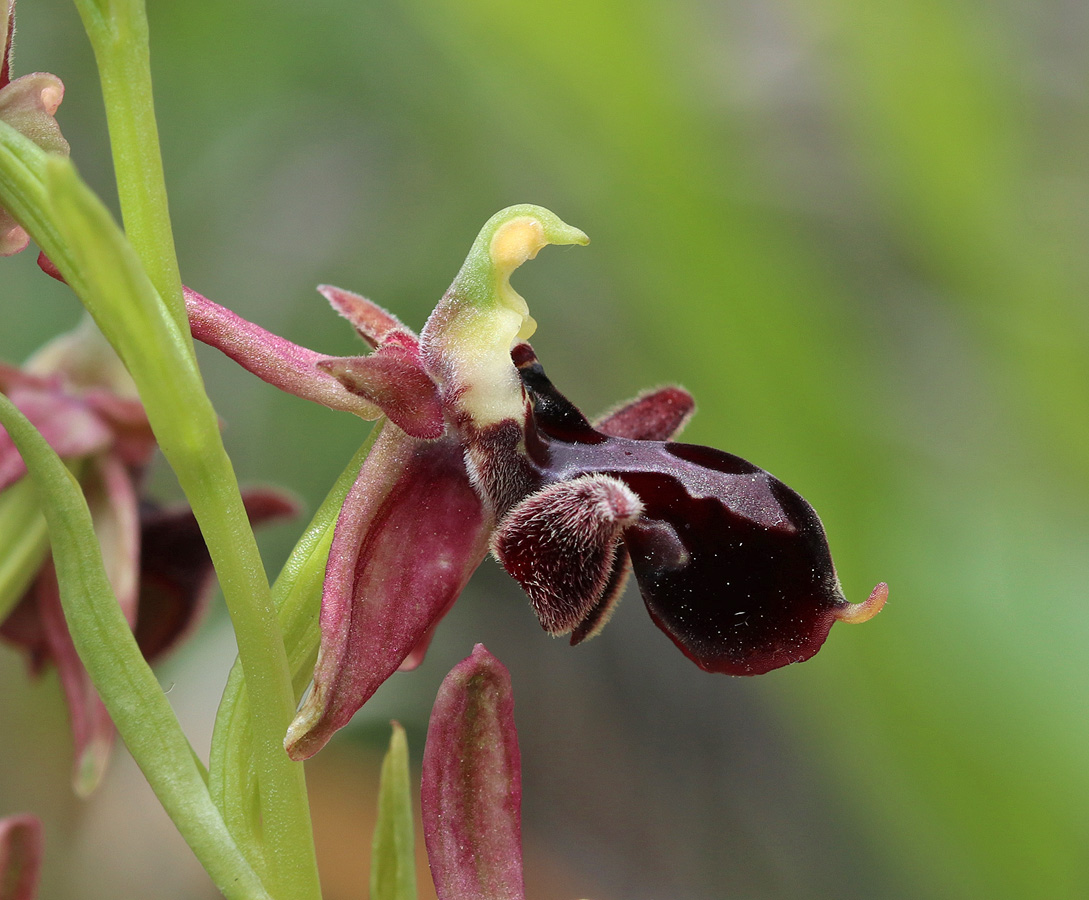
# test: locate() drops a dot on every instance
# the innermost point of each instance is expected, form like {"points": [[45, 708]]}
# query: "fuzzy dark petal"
{"points": [[598, 617], [560, 545]]}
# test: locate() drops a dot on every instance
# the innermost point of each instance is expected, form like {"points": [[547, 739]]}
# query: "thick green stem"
{"points": [[119, 35]]}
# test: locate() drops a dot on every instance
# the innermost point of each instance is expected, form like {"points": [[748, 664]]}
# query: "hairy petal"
{"points": [[394, 382], [560, 544], [411, 532], [597, 617], [372, 322], [658, 415], [472, 785], [7, 32], [20, 857]]}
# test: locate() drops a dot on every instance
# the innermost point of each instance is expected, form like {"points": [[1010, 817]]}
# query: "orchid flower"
{"points": [[75, 391], [28, 104], [482, 452]]}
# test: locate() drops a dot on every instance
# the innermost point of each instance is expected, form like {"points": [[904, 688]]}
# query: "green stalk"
{"points": [[121, 676], [296, 596], [118, 33]]}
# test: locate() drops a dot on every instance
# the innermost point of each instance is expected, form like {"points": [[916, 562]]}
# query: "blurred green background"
{"points": [[855, 231]]}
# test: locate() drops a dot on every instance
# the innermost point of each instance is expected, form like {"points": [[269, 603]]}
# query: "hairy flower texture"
{"points": [[28, 104], [81, 400], [20, 857], [482, 451]]}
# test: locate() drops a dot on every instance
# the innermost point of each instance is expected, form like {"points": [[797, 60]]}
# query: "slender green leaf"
{"points": [[159, 356], [393, 857]]}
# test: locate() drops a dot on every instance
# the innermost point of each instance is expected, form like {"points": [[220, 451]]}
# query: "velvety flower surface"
{"points": [[28, 104], [20, 857], [76, 394], [481, 450]]}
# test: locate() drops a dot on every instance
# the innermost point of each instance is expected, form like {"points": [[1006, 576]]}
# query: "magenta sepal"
{"points": [[471, 788], [410, 533], [20, 857], [390, 381]]}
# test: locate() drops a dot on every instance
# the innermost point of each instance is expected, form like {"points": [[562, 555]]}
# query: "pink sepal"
{"points": [[279, 362], [92, 729], [69, 425], [410, 533]]}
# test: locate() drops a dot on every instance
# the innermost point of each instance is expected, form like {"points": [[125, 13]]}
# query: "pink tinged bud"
{"points": [[472, 785], [20, 857], [560, 544], [28, 105], [410, 533]]}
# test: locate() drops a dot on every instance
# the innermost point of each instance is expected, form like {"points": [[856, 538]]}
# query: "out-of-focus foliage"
{"points": [[854, 230]]}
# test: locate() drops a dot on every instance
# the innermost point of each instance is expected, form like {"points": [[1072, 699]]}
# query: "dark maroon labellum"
{"points": [[732, 564]]}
